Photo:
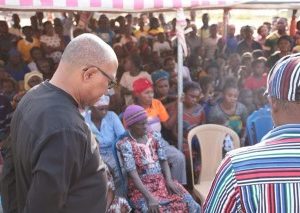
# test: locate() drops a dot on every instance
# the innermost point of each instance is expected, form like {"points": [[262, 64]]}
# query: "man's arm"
{"points": [[223, 195], [55, 166]]}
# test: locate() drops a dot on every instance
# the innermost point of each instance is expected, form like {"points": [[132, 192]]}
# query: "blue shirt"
{"points": [[109, 131]]}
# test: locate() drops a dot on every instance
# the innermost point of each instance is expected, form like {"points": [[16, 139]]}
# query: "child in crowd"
{"points": [[36, 54], [26, 44], [45, 66], [233, 65], [245, 68], [32, 79], [193, 115], [260, 99], [208, 100], [161, 44], [9, 88], [132, 66], [232, 113], [213, 71], [16, 66], [145, 50], [258, 78], [246, 97]]}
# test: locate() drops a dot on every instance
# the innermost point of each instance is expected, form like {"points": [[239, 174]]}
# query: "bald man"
{"points": [[55, 161]]}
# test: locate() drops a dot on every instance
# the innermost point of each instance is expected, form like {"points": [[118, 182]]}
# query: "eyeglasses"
{"points": [[111, 82]]}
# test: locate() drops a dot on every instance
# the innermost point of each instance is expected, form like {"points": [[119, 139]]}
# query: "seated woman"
{"points": [[193, 115], [158, 117], [229, 112], [107, 128], [150, 186], [160, 79]]}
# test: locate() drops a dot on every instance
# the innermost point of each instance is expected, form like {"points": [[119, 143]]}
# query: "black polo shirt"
{"points": [[56, 160]]}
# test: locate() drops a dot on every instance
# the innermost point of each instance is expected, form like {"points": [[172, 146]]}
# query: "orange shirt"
{"points": [[158, 110], [24, 48], [157, 113]]}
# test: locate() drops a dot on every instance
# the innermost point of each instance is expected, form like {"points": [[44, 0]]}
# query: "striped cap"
{"points": [[284, 79]]}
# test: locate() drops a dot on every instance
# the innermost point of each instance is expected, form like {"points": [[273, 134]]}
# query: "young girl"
{"points": [[193, 115], [229, 112], [132, 66], [258, 78], [208, 100]]}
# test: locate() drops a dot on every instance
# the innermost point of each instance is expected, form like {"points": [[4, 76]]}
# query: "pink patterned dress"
{"points": [[144, 158]]}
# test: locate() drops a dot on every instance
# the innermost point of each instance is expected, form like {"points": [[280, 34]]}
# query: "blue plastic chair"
{"points": [[121, 171], [259, 123]]}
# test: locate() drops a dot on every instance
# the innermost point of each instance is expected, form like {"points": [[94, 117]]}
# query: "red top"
{"points": [[254, 83]]}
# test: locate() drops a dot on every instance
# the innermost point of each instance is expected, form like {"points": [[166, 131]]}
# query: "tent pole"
{"points": [[225, 22], [181, 23], [180, 95]]}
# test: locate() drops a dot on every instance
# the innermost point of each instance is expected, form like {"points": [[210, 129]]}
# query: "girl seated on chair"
{"points": [[193, 115], [150, 186], [230, 111]]}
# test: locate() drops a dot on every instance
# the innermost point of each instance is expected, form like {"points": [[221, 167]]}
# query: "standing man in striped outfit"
{"points": [[266, 177]]}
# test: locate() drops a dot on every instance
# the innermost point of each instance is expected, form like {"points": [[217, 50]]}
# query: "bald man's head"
{"points": [[87, 67], [88, 49]]}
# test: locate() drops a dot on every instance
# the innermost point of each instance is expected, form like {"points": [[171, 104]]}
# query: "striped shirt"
{"points": [[261, 178]]}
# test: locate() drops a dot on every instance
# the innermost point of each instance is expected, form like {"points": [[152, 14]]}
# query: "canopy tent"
{"points": [[269, 4], [116, 5]]}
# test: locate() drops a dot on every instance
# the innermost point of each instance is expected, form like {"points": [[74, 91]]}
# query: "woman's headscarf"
{"points": [[141, 85]]}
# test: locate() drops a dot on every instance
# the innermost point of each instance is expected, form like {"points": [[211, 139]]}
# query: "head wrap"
{"points": [[141, 85], [134, 114], [103, 101], [159, 75], [28, 76]]}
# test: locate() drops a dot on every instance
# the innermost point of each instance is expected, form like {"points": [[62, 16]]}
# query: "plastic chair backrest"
{"points": [[211, 138]]}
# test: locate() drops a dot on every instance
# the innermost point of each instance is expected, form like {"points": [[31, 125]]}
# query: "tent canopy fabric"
{"points": [[115, 5], [269, 4]]}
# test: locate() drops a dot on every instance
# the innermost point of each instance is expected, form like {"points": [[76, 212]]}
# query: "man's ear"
{"points": [[89, 73], [274, 105]]}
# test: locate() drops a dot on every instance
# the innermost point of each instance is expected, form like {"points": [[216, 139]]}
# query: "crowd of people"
{"points": [[224, 78]]}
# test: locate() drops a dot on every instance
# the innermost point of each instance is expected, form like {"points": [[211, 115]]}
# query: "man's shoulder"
{"points": [[44, 108]]}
